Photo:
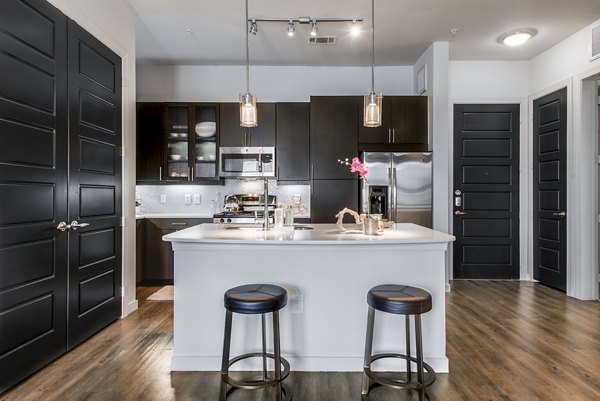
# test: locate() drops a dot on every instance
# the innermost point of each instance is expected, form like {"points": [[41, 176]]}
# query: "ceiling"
{"points": [[403, 30]]}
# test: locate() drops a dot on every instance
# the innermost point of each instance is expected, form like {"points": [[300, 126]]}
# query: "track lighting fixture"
{"points": [[291, 29]]}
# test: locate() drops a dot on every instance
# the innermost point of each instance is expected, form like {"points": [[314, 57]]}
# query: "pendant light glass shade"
{"points": [[372, 107], [248, 116]]}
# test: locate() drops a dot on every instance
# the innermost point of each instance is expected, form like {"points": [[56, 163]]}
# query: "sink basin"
{"points": [[303, 228], [244, 228]]}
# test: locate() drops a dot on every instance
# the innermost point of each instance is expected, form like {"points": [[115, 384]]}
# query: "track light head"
{"points": [[313, 31]]}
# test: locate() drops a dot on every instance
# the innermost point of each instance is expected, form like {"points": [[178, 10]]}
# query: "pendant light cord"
{"points": [[372, 45], [247, 52]]}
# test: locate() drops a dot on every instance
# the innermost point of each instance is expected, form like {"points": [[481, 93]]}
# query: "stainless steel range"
{"points": [[245, 209]]}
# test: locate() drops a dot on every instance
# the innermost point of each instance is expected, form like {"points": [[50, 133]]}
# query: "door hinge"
{"points": [[122, 291], [121, 151], [122, 221]]}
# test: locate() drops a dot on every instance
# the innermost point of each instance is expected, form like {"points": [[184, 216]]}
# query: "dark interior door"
{"points": [[94, 186], [486, 185], [550, 189], [33, 190]]}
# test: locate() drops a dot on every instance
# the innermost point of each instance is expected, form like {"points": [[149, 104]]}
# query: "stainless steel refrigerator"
{"points": [[398, 186]]}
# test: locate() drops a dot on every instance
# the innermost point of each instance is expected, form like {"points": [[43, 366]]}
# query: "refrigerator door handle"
{"points": [[390, 195], [395, 193]]}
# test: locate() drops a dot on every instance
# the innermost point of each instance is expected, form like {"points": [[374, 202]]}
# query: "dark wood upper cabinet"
{"points": [[404, 126], [333, 135], [149, 141], [293, 139], [231, 134]]}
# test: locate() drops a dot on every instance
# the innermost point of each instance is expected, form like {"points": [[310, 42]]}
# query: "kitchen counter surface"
{"points": [[401, 233]]}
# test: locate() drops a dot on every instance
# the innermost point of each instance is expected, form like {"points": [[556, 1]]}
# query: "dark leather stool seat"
{"points": [[255, 299], [398, 300]]}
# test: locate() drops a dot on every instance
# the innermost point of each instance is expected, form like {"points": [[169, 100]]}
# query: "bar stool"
{"points": [[253, 299], [399, 300]]}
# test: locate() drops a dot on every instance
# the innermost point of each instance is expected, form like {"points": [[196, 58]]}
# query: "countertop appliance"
{"points": [[250, 209], [399, 186], [243, 162]]}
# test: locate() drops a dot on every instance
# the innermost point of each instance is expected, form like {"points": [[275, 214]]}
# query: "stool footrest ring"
{"points": [[255, 382], [400, 384]]}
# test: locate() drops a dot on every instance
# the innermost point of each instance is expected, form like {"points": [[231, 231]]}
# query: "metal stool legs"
{"points": [[425, 373], [282, 392]]}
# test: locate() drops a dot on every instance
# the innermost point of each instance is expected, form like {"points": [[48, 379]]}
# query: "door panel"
{"points": [[330, 196], [33, 190], [95, 185], [486, 198], [549, 189]]}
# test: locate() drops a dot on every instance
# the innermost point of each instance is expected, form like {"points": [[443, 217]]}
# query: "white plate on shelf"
{"points": [[177, 158], [177, 135], [206, 129]]}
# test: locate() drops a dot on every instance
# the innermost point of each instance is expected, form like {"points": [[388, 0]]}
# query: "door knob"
{"points": [[62, 226], [459, 213], [560, 214], [75, 225]]}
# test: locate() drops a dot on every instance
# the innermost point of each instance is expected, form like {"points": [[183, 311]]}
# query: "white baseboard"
{"points": [[131, 307]]}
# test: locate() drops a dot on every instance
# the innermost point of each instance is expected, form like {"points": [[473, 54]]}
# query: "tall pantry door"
{"points": [[33, 187]]}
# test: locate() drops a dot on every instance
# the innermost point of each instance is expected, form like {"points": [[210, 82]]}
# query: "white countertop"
{"points": [[401, 233]]}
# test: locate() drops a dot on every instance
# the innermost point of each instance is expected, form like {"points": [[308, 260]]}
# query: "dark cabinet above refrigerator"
{"points": [[403, 129]]}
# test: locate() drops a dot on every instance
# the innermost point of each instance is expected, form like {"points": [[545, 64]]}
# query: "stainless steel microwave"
{"points": [[247, 161]]}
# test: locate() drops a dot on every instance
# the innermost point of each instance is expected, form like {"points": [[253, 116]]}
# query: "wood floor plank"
{"points": [[507, 341]]}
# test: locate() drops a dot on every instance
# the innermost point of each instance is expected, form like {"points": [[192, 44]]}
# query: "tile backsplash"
{"points": [[211, 196]]}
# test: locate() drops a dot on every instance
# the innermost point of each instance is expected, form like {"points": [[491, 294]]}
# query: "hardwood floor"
{"points": [[507, 341]]}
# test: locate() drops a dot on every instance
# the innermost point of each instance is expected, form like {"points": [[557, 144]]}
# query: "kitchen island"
{"points": [[327, 274]]}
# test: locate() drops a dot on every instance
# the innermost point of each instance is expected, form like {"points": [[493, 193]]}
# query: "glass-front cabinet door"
{"points": [[204, 165], [177, 132], [192, 142]]}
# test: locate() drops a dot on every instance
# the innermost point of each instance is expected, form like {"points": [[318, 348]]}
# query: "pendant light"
{"points": [[372, 105], [248, 115]]}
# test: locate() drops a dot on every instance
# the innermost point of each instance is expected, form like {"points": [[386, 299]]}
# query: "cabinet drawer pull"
{"points": [[179, 224], [389, 135], [393, 135], [160, 174]]}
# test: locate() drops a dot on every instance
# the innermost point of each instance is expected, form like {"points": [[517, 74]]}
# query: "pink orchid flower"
{"points": [[357, 166]]}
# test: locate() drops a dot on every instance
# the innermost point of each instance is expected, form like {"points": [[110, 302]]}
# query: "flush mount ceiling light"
{"points": [[355, 30], [372, 105], [517, 38], [248, 115]]}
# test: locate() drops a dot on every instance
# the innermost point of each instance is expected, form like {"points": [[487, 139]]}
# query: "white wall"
{"points": [[267, 83], [436, 60], [488, 79], [568, 58], [113, 23]]}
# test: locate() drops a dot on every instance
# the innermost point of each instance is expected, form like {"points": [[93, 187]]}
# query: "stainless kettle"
{"points": [[232, 203]]}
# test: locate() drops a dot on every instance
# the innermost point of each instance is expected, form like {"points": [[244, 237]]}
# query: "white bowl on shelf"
{"points": [[206, 129], [177, 158]]}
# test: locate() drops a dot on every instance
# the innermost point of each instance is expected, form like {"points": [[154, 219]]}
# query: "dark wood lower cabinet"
{"points": [[156, 264], [328, 197]]}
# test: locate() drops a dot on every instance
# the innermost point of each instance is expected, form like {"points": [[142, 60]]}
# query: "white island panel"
{"points": [[332, 271]]}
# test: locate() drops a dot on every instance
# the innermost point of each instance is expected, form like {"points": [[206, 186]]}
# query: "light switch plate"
{"points": [[188, 199], [196, 199], [163, 198]]}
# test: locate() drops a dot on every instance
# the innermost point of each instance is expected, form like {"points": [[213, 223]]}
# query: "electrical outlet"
{"points": [[298, 304], [188, 199], [196, 199], [163, 198]]}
